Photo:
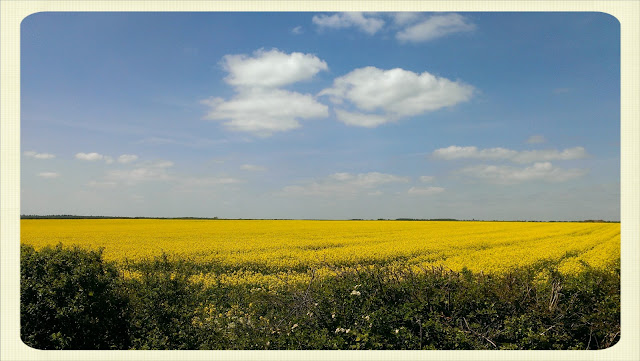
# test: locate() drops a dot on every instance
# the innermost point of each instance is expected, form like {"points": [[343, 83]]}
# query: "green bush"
{"points": [[71, 299], [163, 302]]}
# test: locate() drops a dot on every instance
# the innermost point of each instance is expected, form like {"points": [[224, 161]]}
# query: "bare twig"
{"points": [[477, 334]]}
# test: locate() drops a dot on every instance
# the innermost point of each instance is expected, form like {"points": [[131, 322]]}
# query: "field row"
{"points": [[271, 252]]}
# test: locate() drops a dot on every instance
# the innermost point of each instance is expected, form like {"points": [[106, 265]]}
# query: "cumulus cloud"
{"points": [[260, 106], [369, 24], [396, 92], [150, 172], [345, 183], [264, 112], [92, 157], [32, 154], [49, 175], [528, 156], [253, 167], [425, 191], [535, 139], [127, 158], [435, 27], [541, 171], [271, 69]]}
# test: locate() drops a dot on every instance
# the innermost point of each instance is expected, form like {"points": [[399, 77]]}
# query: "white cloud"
{"points": [[427, 178], [528, 156], [456, 152], [404, 18], [253, 167], [369, 180], [127, 158], [208, 181], [425, 191], [102, 184], [345, 183], [265, 111], [259, 106], [32, 154], [108, 159], [360, 119], [151, 172], [536, 139], [297, 30], [542, 171], [396, 92], [92, 157], [271, 69], [550, 154], [342, 177], [368, 24], [435, 27], [49, 175]]}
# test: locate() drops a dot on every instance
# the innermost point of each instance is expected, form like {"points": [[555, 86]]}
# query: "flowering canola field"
{"points": [[266, 251]]}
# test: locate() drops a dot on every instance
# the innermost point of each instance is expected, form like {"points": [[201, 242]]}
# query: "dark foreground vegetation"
{"points": [[73, 299]]}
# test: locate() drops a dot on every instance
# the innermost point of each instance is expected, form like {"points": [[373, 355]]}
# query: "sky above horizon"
{"points": [[490, 116]]}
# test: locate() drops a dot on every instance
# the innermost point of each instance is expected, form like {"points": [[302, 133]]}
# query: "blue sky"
{"points": [[507, 116]]}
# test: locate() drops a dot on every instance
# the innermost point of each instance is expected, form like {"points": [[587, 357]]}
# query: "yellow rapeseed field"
{"points": [[264, 251]]}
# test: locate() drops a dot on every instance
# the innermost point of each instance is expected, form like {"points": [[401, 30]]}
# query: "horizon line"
{"points": [[444, 219]]}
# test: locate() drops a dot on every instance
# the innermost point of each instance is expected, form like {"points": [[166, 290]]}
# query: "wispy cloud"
{"points": [[361, 119], [543, 171], [91, 157], [49, 175], [253, 168], [94, 157], [208, 181], [297, 30], [156, 171], [427, 178], [410, 27], [127, 158], [32, 154], [426, 191], [536, 139], [102, 184], [345, 184], [369, 24], [435, 27], [404, 18], [528, 156]]}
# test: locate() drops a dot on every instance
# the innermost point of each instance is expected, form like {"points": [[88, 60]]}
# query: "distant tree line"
{"points": [[69, 216]]}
